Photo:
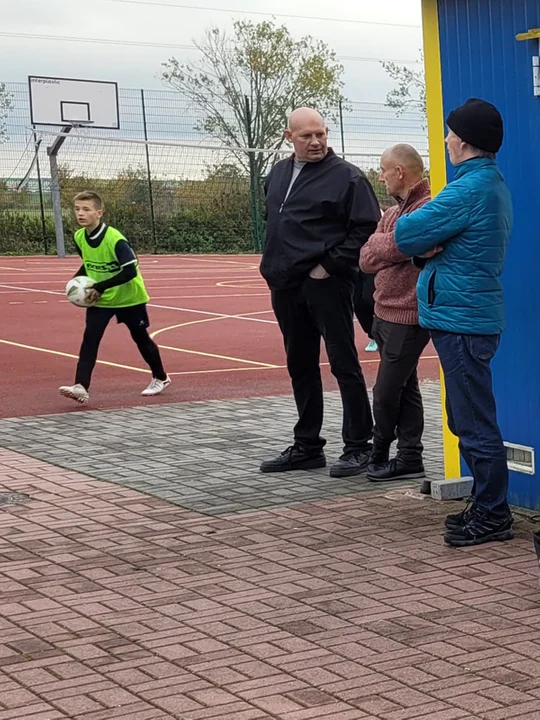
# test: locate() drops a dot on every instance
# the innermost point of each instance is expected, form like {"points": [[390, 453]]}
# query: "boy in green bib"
{"points": [[119, 291]]}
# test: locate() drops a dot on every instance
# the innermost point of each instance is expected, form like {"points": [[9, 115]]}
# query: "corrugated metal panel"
{"points": [[481, 58]]}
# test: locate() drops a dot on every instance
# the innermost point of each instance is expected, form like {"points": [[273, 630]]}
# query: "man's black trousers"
{"points": [[397, 402], [315, 309]]}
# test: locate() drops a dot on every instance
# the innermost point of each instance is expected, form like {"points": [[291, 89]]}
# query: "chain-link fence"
{"points": [[178, 192]]}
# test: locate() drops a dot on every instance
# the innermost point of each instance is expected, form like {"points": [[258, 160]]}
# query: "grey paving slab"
{"points": [[203, 456]]}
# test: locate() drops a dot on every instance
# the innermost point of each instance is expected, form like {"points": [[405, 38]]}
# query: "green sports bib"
{"points": [[101, 264]]}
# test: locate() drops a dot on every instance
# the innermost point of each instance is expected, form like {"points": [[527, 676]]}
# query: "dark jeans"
{"points": [[364, 304], [397, 402], [472, 414], [323, 308], [136, 320]]}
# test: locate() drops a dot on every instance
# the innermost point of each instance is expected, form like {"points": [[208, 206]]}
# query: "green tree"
{"points": [[410, 93], [6, 106], [385, 201], [247, 84]]}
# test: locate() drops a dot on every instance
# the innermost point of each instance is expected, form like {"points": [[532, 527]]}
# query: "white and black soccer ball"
{"points": [[76, 290]]}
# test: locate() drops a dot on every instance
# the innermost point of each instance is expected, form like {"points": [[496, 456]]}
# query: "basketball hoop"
{"points": [[70, 104], [73, 103], [75, 124]]}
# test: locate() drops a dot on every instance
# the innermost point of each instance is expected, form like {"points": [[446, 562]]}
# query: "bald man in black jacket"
{"points": [[320, 211]]}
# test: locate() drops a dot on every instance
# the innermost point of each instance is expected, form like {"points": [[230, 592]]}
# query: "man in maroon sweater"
{"points": [[397, 402]]}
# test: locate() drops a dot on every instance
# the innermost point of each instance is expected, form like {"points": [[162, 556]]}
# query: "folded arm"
{"points": [[381, 250], [437, 222]]}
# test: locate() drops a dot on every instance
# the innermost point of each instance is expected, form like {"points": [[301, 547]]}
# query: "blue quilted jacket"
{"points": [[459, 289]]}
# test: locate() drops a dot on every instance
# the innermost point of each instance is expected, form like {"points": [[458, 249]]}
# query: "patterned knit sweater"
{"points": [[395, 274]]}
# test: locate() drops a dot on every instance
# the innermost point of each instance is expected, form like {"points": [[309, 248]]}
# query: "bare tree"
{"points": [[246, 85], [410, 93]]}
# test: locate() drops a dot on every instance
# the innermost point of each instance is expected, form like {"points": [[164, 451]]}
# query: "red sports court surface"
{"points": [[210, 314]]}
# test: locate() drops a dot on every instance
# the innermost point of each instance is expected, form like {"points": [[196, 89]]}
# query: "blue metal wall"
{"points": [[480, 57]]}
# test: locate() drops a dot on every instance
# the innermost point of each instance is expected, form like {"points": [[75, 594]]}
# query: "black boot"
{"points": [[294, 457], [397, 469], [458, 520], [480, 527]]}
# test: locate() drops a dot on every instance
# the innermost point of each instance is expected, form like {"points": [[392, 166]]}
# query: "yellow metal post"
{"points": [[435, 117]]}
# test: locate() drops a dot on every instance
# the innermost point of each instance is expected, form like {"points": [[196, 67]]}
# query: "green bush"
{"points": [[194, 230], [21, 232], [210, 215], [189, 230]]}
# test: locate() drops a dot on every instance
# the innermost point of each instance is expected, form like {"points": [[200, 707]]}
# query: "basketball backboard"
{"points": [[66, 101]]}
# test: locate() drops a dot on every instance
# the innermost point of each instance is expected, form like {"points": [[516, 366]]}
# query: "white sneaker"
{"points": [[76, 392], [156, 386]]}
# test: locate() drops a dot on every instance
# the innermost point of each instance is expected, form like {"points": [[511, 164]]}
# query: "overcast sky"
{"points": [[151, 21]]}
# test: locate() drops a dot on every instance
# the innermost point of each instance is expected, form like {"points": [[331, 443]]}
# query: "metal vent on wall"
{"points": [[520, 458]]}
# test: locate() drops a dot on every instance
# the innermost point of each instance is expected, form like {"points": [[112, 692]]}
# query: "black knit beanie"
{"points": [[479, 124]]}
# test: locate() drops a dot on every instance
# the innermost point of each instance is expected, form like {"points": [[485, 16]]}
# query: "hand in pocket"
{"points": [[319, 273]]}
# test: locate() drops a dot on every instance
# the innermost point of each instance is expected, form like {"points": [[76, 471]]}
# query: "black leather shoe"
{"points": [[294, 457], [397, 469], [351, 463], [379, 458]]}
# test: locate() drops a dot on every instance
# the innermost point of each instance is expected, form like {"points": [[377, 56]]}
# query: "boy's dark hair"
{"points": [[90, 195]]}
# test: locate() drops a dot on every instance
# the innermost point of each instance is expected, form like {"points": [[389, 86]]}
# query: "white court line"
{"points": [[210, 282], [147, 276], [213, 314], [161, 307], [220, 261], [208, 297], [34, 290], [154, 294], [147, 261], [164, 297]]}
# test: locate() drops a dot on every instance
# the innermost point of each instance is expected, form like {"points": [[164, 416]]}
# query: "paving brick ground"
{"points": [[118, 605], [204, 455]]}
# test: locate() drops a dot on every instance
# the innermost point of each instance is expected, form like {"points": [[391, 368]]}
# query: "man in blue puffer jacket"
{"points": [[460, 238]]}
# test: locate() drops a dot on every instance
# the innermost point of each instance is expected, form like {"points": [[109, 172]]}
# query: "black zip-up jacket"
{"points": [[330, 213]]}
